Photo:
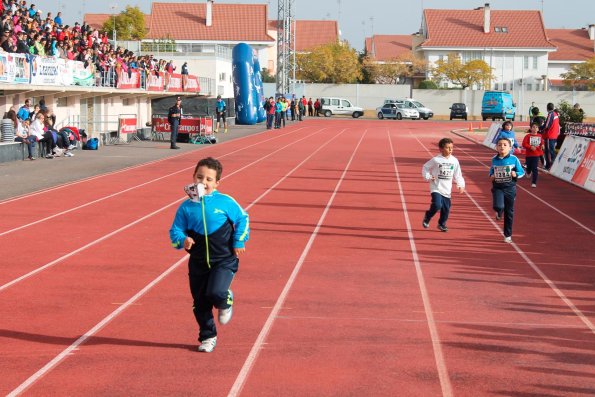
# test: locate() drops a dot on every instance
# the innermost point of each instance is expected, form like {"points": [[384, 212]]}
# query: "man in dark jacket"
{"points": [[174, 116]]}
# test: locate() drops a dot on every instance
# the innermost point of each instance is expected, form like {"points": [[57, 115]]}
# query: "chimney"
{"points": [[592, 32], [209, 12], [486, 18]]}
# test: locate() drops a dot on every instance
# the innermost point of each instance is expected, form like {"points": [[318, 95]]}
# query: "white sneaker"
{"points": [[225, 314], [533, 185], [208, 345], [508, 239], [71, 147], [68, 154]]}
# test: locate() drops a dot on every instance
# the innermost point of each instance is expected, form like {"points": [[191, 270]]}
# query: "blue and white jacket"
{"points": [[502, 168], [217, 224]]}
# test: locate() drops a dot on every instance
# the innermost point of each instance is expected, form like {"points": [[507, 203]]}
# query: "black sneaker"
{"points": [[425, 223], [442, 228]]}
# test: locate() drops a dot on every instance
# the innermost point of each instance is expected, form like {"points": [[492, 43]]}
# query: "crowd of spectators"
{"points": [[26, 30]]}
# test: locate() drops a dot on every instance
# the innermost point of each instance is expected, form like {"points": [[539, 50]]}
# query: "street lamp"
{"points": [[114, 7]]}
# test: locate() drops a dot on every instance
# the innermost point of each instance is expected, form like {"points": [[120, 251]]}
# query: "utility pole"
{"points": [[285, 45]]}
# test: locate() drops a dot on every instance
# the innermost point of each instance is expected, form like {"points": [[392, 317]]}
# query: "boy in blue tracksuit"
{"points": [[213, 228], [504, 172]]}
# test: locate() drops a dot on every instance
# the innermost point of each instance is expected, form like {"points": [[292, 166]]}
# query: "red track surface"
{"points": [[341, 291]]}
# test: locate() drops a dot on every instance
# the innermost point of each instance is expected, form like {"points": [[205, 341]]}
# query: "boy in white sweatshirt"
{"points": [[440, 171]]}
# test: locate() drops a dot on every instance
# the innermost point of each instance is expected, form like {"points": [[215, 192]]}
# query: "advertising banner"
{"points": [[570, 156], [129, 82], [47, 71], [581, 129], [81, 75], [127, 125], [192, 84], [585, 172], [155, 82], [173, 82], [188, 125], [14, 68], [490, 138]]}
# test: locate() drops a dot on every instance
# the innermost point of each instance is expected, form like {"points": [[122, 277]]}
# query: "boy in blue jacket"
{"points": [[504, 172], [213, 228]]}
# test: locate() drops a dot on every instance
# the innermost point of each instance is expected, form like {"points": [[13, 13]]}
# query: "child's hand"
{"points": [[493, 177], [461, 189], [239, 251], [188, 243], [513, 174]]}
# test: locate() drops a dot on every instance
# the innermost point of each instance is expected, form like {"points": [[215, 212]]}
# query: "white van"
{"points": [[424, 112], [330, 106]]}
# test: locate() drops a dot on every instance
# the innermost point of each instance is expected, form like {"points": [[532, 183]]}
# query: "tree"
{"points": [[396, 70], [130, 24], [266, 76], [329, 63], [476, 71], [581, 75]]}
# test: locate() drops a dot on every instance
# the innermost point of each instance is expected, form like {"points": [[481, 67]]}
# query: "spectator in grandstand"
{"points": [[24, 111], [34, 112], [8, 126], [22, 47], [58, 19], [550, 130], [184, 73], [45, 137]]}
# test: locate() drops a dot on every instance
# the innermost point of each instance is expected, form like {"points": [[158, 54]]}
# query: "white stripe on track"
{"points": [[56, 360], [532, 264], [50, 264], [264, 332], [64, 354], [436, 343], [128, 189], [67, 184]]}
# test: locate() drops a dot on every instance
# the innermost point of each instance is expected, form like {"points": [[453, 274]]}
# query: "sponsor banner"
{"points": [[127, 125], [206, 126], [81, 75], [188, 125], [129, 82], [491, 136], [585, 172], [47, 71], [192, 84], [155, 82], [581, 129], [15, 68], [569, 157], [173, 82]]}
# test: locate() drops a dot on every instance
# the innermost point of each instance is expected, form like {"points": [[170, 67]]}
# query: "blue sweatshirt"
{"points": [[218, 217], [502, 168], [508, 135]]}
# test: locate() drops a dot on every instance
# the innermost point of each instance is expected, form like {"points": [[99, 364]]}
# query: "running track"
{"points": [[341, 291]]}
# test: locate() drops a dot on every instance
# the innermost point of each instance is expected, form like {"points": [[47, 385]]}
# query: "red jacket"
{"points": [[533, 140], [551, 129]]}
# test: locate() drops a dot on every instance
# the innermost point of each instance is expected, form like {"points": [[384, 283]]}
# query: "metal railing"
{"points": [[161, 48]]}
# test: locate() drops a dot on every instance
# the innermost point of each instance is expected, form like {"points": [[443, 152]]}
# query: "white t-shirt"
{"points": [[441, 171]]}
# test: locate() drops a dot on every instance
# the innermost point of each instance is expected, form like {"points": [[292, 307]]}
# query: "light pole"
{"points": [[114, 7]]}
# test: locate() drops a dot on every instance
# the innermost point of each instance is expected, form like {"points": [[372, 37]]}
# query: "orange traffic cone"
{"points": [[470, 127], [480, 125]]}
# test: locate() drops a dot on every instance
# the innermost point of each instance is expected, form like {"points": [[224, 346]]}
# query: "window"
{"points": [[497, 29], [471, 55], [534, 62], [441, 58], [222, 77], [345, 103], [525, 62], [334, 102], [125, 102], [503, 86], [496, 86], [529, 87], [504, 29], [62, 102]]}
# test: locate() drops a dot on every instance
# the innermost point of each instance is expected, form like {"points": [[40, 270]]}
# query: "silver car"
{"points": [[396, 111]]}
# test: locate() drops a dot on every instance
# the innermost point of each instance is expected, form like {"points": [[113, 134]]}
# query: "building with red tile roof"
{"points": [[574, 46], [513, 42], [385, 47]]}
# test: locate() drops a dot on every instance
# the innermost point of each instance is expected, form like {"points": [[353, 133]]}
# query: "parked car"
{"points": [[396, 111], [331, 106], [424, 112], [497, 105], [458, 111]]}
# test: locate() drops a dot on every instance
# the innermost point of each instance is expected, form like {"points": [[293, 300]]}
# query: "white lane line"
{"points": [[436, 343], [528, 191], [264, 332], [94, 242], [532, 264], [46, 368], [130, 188], [56, 360], [27, 195]]}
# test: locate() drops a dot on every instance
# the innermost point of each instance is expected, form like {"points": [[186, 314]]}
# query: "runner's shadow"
{"points": [[93, 340]]}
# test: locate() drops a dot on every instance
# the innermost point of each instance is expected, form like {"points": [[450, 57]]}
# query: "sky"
{"points": [[357, 18]]}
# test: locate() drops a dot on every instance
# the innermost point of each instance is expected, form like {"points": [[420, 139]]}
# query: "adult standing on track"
{"points": [[174, 116], [220, 108], [551, 130]]}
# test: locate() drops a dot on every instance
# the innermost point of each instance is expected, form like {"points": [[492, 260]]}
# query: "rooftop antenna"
{"points": [[372, 25], [339, 17]]}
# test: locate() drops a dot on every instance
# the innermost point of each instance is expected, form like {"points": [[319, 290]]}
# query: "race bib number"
{"points": [[534, 141], [446, 171], [503, 173]]}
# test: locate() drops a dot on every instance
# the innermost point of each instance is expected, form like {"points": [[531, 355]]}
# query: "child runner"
{"points": [[533, 144], [504, 172], [440, 171], [507, 132], [213, 228]]}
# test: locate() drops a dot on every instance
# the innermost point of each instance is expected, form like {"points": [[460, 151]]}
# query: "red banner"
{"points": [[192, 84], [127, 125], [188, 125], [126, 82], [155, 82], [173, 82]]}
